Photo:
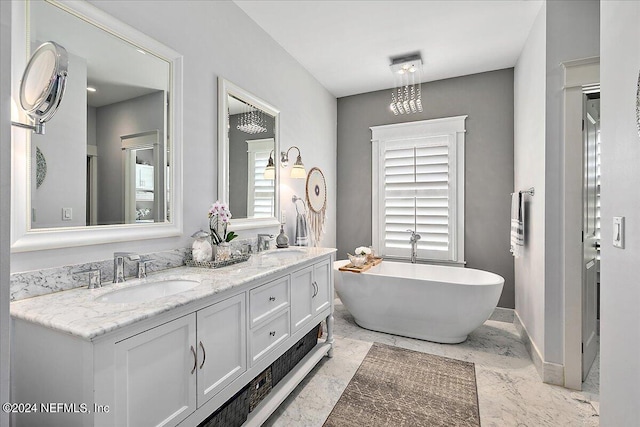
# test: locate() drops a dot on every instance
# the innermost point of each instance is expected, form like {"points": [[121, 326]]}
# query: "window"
{"points": [[418, 184], [260, 191]]}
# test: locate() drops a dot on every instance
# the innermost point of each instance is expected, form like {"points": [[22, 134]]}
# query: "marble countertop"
{"points": [[77, 311]]}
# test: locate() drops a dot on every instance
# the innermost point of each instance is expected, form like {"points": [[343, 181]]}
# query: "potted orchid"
{"points": [[219, 219]]}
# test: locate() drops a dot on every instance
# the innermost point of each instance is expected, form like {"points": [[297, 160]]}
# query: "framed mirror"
{"points": [[248, 143], [113, 153]]}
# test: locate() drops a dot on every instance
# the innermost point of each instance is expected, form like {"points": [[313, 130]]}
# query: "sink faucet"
{"points": [[118, 264], [264, 241], [414, 245]]}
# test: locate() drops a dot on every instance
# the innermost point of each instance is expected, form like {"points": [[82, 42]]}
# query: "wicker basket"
{"points": [[232, 414], [259, 388], [285, 363]]}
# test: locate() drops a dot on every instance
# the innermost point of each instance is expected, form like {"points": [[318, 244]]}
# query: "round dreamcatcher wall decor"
{"points": [[316, 193]]}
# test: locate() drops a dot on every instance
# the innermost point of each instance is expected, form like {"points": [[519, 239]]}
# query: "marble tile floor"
{"points": [[510, 392]]}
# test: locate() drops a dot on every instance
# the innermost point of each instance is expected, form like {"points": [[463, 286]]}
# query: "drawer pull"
{"points": [[195, 360], [204, 355], [272, 298], [272, 333], [315, 289]]}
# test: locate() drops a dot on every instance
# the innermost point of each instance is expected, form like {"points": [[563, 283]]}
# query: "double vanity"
{"points": [[172, 348]]}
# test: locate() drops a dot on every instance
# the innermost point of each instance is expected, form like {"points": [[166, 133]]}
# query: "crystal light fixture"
{"points": [[252, 121], [406, 96]]}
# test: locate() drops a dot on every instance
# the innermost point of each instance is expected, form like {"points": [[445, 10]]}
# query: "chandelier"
{"points": [[252, 121], [406, 96]]}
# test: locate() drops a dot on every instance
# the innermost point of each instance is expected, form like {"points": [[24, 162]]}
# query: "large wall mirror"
{"points": [[107, 167], [248, 178]]}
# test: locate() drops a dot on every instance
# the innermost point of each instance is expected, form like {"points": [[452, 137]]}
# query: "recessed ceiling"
{"points": [[347, 45]]}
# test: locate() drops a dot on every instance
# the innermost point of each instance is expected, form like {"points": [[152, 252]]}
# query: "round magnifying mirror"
{"points": [[43, 82]]}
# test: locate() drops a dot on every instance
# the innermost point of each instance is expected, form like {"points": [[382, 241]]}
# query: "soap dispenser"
{"points": [[282, 241]]}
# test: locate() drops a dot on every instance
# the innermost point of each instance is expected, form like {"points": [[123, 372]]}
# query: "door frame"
{"points": [[577, 75]]}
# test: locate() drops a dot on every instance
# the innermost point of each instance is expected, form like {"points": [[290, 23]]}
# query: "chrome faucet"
{"points": [[414, 245], [118, 264], [95, 280], [264, 241]]}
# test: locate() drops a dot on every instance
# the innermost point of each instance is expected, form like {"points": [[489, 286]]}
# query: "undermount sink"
{"points": [[148, 291], [284, 253]]}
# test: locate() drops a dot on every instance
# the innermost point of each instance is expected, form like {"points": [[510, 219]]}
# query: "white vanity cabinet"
{"points": [[310, 293], [179, 366], [155, 375], [157, 370]]}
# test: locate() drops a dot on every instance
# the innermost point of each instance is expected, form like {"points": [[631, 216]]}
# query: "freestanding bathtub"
{"points": [[429, 302]]}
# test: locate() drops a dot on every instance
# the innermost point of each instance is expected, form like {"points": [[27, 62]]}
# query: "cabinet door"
{"points": [[302, 291], [222, 348], [322, 277], [155, 375]]}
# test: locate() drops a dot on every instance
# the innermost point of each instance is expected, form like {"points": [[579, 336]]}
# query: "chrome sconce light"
{"points": [[43, 84], [297, 171], [270, 170]]}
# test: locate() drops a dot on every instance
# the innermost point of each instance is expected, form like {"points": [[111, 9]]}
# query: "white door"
{"points": [[302, 291], [590, 240], [321, 275], [156, 375], [222, 348]]}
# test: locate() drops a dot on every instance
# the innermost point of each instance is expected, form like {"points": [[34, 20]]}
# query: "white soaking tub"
{"points": [[429, 302]]}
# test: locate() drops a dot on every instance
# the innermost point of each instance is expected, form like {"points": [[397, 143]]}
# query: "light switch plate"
{"points": [[67, 214], [618, 232]]}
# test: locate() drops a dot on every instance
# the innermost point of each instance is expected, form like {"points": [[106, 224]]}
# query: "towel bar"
{"points": [[531, 191]]}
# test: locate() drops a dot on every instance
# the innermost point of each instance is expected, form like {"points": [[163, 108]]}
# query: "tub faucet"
{"points": [[118, 264], [414, 245]]}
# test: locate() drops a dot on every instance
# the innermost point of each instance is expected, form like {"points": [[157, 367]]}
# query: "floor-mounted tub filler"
{"points": [[429, 302]]}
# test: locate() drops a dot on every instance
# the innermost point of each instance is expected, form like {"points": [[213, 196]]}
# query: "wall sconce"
{"points": [[297, 171], [270, 170]]}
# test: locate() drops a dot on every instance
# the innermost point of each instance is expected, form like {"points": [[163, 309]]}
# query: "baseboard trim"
{"points": [[501, 314], [550, 373]]}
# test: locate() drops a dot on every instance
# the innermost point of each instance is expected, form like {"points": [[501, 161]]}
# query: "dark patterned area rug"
{"points": [[398, 387]]}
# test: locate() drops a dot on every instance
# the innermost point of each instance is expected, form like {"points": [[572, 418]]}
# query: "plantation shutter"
{"points": [[261, 191], [417, 192], [418, 184]]}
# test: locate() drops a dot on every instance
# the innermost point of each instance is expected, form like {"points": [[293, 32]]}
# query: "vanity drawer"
{"points": [[268, 299], [269, 336]]}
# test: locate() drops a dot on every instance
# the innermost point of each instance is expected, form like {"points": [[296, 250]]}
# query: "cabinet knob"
{"points": [[272, 333], [272, 298]]}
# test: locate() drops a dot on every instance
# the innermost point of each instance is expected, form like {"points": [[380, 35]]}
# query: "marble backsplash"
{"points": [[40, 282]]}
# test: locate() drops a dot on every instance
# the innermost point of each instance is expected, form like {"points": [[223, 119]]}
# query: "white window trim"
{"points": [[454, 128], [255, 146]]}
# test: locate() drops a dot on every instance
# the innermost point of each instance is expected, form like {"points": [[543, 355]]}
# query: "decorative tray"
{"points": [[352, 268], [218, 264]]}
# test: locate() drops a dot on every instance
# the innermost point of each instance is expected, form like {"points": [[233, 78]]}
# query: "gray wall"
{"points": [[619, 344], [64, 147], [487, 99], [238, 165], [141, 114]]}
